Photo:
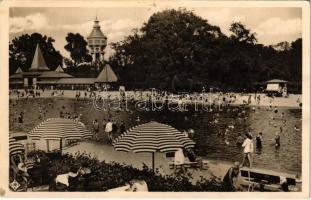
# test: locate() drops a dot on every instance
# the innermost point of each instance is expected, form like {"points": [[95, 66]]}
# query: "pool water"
{"points": [[210, 142]]}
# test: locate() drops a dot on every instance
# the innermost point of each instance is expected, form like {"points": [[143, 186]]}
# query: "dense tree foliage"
{"points": [[22, 49], [177, 50], [77, 46], [82, 70]]}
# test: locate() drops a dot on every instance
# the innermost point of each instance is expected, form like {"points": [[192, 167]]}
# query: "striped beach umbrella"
{"points": [[15, 147], [152, 137], [59, 129]]}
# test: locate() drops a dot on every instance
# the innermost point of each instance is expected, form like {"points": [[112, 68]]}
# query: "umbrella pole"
{"points": [[61, 145], [153, 161], [47, 146]]}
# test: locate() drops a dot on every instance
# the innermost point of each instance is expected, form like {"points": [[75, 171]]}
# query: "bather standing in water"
{"points": [[248, 149], [277, 139], [239, 140], [259, 140]]}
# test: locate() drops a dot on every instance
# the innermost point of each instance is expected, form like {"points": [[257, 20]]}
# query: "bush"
{"points": [[106, 176]]}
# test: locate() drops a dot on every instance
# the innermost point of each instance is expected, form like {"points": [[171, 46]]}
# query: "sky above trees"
{"points": [[271, 25]]}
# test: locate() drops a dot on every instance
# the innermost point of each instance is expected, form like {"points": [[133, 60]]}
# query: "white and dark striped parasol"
{"points": [[152, 137], [60, 128], [15, 147]]}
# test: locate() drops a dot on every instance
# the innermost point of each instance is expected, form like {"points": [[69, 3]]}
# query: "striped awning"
{"points": [[15, 147], [152, 137], [60, 128]]}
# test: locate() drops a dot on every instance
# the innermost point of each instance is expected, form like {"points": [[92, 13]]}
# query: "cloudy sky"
{"points": [[272, 25]]}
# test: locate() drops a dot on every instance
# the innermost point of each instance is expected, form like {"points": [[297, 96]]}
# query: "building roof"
{"points": [[96, 32], [16, 81], [19, 75], [47, 82], [19, 71], [38, 62], [54, 74], [276, 81], [88, 81], [107, 75], [59, 69], [32, 73]]}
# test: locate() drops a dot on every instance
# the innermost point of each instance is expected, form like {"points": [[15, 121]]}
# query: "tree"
{"points": [[77, 46], [282, 46], [22, 49], [178, 50], [171, 42], [242, 34]]}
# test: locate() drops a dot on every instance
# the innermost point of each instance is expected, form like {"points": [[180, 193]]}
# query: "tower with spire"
{"points": [[97, 42]]}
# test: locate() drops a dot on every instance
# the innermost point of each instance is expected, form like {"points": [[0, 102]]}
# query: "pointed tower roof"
{"points": [[59, 69], [38, 62], [107, 75], [96, 32], [19, 71]]}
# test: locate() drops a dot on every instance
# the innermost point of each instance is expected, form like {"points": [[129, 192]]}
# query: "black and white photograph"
{"points": [[156, 97]]}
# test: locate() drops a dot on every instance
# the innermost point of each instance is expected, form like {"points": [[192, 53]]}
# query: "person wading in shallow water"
{"points": [[248, 149], [259, 140], [239, 140], [277, 140]]}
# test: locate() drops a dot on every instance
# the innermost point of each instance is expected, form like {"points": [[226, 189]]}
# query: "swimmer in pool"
{"points": [[277, 140], [296, 128]]}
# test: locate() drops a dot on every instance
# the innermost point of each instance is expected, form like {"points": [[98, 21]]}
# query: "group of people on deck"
{"points": [[110, 127]]}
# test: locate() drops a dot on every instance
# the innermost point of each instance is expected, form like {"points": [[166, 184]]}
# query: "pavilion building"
{"points": [[40, 75], [37, 75]]}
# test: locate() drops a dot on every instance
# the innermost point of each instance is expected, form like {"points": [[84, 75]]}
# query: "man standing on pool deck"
{"points": [[248, 149], [108, 130]]}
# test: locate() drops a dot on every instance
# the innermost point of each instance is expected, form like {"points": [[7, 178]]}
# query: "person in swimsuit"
{"points": [[230, 179]]}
